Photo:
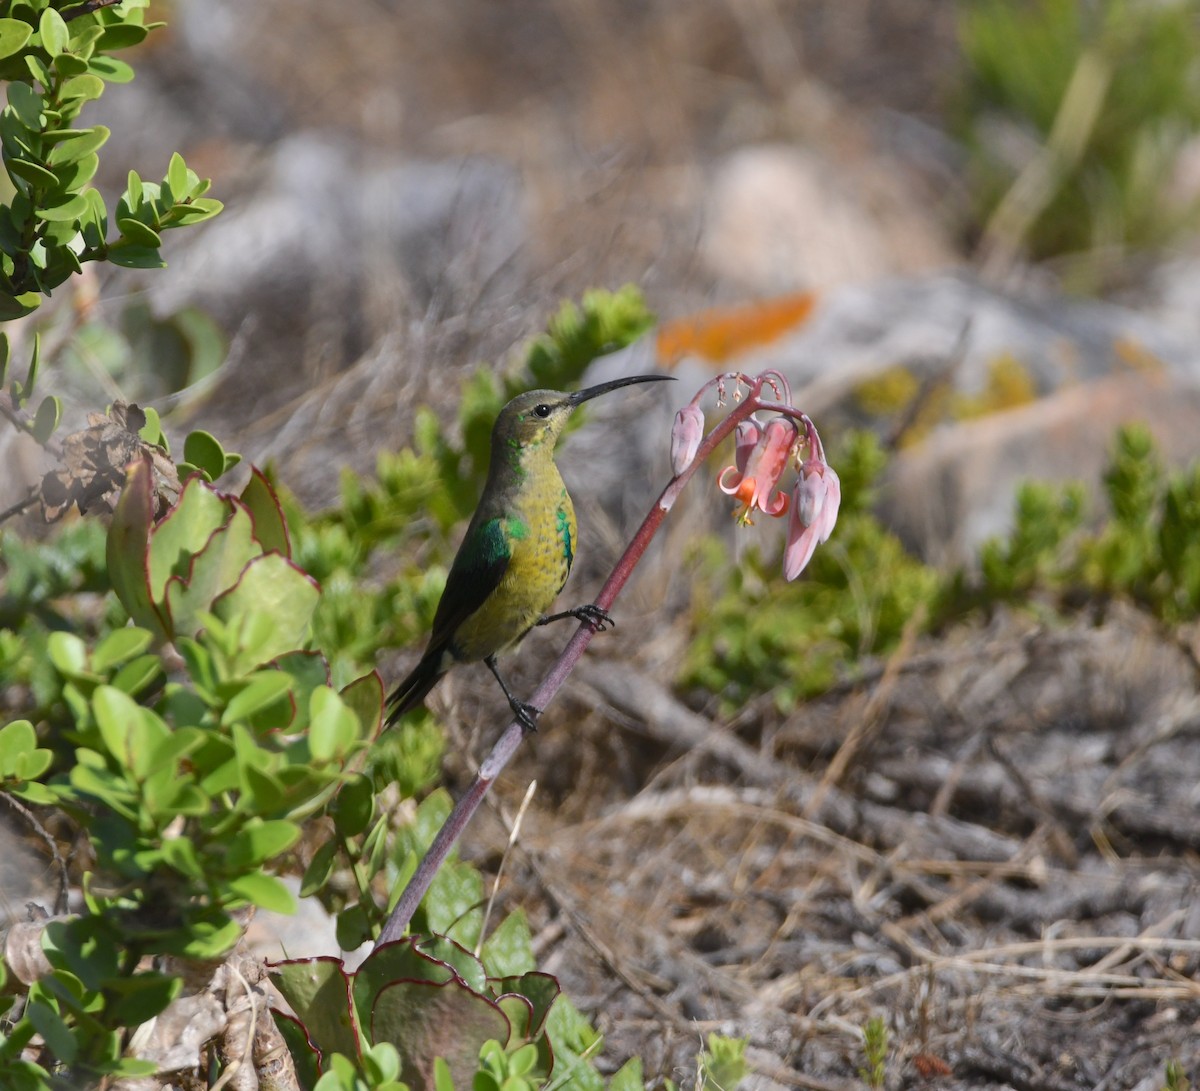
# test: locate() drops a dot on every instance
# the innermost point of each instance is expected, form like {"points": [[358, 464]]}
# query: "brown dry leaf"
{"points": [[93, 465]]}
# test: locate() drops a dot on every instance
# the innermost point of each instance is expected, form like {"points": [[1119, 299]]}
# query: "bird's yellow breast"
{"points": [[540, 531]]}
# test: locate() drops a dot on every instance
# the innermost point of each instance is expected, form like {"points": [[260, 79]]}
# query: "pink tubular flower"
{"points": [[686, 434], [754, 481], [815, 503]]}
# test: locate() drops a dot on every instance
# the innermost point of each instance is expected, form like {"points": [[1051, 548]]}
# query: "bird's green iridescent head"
{"points": [[536, 418]]}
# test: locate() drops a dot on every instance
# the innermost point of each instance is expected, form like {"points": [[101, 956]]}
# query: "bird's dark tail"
{"points": [[414, 689]]}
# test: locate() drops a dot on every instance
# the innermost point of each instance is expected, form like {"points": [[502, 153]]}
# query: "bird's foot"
{"points": [[526, 714], [597, 618]]}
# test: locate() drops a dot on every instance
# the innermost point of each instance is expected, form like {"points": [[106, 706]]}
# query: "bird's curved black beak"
{"points": [[589, 392]]}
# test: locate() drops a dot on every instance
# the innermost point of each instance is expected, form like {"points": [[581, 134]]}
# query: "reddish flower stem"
{"points": [[506, 745]]}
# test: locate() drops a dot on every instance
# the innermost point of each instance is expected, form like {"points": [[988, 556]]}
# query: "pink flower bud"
{"points": [[815, 503], [833, 500], [686, 434]]}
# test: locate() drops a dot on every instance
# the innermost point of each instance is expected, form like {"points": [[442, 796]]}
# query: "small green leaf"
{"points": [[68, 654], [120, 645], [353, 806], [254, 845], [13, 35], [45, 421], [18, 741], [177, 177], [332, 727], [508, 951], [264, 689], [24, 391], [117, 715], [71, 209], [135, 257], [134, 191], [364, 696], [82, 88], [75, 144], [133, 1000], [85, 36], [13, 307], [94, 225], [55, 34], [178, 852], [39, 69], [375, 845], [68, 65], [353, 928], [210, 939], [33, 173], [33, 764], [453, 905], [72, 177], [37, 794], [443, 1078], [523, 1059], [203, 450], [27, 104], [382, 1063], [111, 69], [270, 527], [194, 212], [127, 546], [316, 875], [135, 676], [152, 431], [57, 1035], [121, 36], [137, 233], [265, 891]]}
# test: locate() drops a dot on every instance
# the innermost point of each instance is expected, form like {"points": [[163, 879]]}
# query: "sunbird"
{"points": [[516, 554]]}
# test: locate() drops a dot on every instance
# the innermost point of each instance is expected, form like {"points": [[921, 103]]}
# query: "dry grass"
{"points": [[1010, 883]]}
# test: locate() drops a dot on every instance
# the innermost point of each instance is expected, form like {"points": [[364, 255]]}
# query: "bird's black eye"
{"points": [[542, 410]]}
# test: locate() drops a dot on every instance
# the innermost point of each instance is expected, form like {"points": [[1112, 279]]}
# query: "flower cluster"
{"points": [[762, 454]]}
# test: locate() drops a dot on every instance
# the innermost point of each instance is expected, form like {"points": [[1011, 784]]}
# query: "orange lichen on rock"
{"points": [[723, 333]]}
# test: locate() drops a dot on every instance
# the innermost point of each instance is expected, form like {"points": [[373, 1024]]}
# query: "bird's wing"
{"points": [[478, 567]]}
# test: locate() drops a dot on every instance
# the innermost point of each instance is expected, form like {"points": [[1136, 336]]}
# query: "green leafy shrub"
{"points": [[1145, 551], [55, 64], [189, 788]]}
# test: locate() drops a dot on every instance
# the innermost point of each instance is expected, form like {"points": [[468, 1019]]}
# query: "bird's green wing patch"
{"points": [[478, 567]]}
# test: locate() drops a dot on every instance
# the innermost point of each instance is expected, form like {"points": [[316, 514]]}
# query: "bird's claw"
{"points": [[599, 619], [526, 714], [590, 613]]}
